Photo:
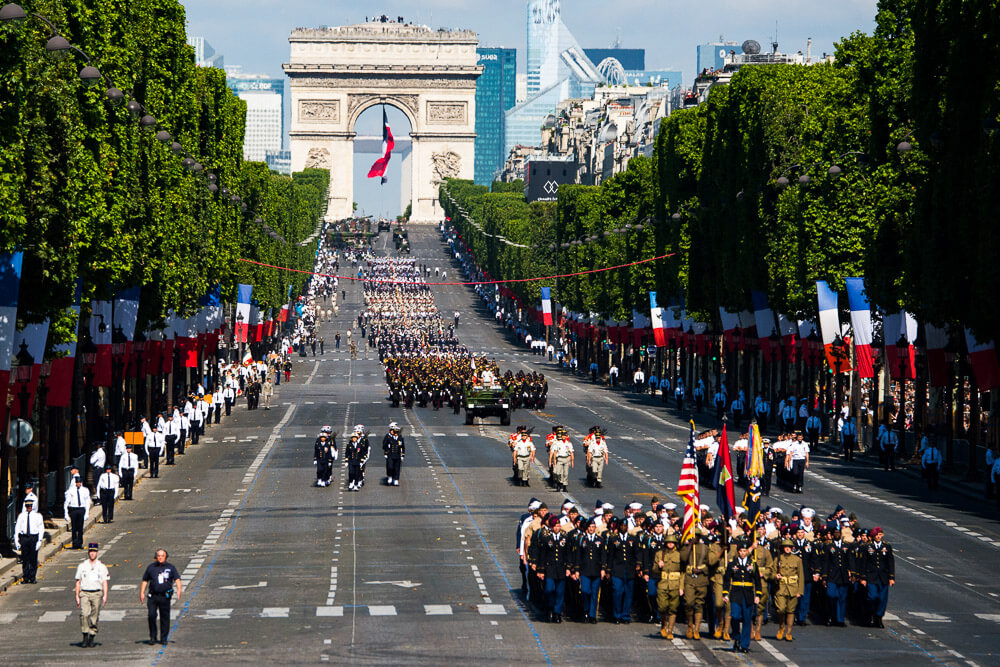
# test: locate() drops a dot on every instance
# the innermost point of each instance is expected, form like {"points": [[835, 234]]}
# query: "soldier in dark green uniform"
{"points": [[668, 571]]}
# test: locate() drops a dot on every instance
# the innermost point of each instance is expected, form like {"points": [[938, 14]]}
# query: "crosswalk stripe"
{"points": [[54, 616], [113, 615], [274, 612], [216, 614], [7, 617], [329, 611], [492, 610], [382, 610], [437, 609]]}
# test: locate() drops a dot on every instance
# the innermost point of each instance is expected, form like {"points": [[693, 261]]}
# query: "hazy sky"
{"points": [[254, 33]]}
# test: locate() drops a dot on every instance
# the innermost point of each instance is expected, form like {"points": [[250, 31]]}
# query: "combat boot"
{"points": [[725, 628], [789, 620], [756, 629], [697, 626], [690, 631], [670, 626], [718, 628], [781, 631]]}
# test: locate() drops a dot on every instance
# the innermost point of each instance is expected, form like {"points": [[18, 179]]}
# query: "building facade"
{"points": [[631, 59], [204, 54], [265, 99], [496, 92]]}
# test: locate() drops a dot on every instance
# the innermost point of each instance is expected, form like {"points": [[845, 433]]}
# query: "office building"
{"points": [[496, 92], [204, 54], [712, 56], [265, 98], [279, 161]]}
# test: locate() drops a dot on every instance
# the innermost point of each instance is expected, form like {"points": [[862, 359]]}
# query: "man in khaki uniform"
{"points": [[91, 593], [523, 452], [561, 460], [722, 558], [698, 562], [765, 563], [597, 458], [668, 568], [791, 583]]}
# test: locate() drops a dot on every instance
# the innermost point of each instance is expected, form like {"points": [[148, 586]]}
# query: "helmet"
{"points": [[787, 543], [359, 428], [671, 538], [326, 429]]}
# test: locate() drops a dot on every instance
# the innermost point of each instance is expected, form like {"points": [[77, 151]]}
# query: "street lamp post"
{"points": [[902, 354], [25, 361], [118, 391]]}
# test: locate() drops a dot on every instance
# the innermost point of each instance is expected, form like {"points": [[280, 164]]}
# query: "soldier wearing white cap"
{"points": [[394, 448]]}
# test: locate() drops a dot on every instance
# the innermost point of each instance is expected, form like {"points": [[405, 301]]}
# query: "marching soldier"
{"points": [[589, 568], [91, 591], [804, 550], [765, 563], [742, 590], [561, 460], [325, 458], [523, 452], [356, 455], [668, 570], [650, 542], [697, 564], [721, 612], [836, 571], [597, 458], [878, 574], [554, 568], [394, 448], [128, 468], [790, 576], [621, 566]]}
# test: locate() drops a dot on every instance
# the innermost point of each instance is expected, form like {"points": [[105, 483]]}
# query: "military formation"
{"points": [[728, 578]]}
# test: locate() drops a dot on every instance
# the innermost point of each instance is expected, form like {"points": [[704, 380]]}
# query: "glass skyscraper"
{"points": [[496, 90]]}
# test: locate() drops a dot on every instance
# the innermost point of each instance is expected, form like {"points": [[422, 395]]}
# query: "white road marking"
{"points": [[215, 614], [274, 612], [54, 616], [7, 617], [437, 609], [329, 611], [382, 610], [492, 610], [113, 615]]}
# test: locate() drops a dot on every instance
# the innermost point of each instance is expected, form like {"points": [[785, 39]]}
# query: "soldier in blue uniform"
{"points": [[878, 573], [741, 588], [621, 565], [554, 568], [588, 568], [836, 572]]}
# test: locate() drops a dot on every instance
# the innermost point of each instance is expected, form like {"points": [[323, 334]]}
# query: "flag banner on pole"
{"points": [[861, 323], [656, 318], [725, 497], [242, 323], [547, 306], [730, 323], [789, 333], [937, 355], [829, 325], [100, 334], [900, 331], [983, 359], [388, 143], [60, 382], [688, 489], [766, 327], [10, 285], [755, 450], [32, 338]]}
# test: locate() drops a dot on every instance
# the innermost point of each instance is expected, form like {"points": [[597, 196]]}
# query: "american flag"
{"points": [[687, 488]]}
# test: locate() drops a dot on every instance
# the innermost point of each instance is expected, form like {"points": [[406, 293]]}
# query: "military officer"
{"points": [[554, 568], [621, 567], [742, 590], [561, 459], [597, 458], [697, 565], [765, 563], [721, 612], [790, 577], [28, 532], [107, 489], [91, 592], [835, 569], [394, 448], [878, 574], [523, 453], [128, 468], [589, 568], [354, 456], [804, 550], [76, 509], [668, 570]]}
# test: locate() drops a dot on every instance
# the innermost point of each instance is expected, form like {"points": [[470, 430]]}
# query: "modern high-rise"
{"points": [[265, 99], [496, 91], [630, 59], [557, 69], [712, 56], [204, 54]]}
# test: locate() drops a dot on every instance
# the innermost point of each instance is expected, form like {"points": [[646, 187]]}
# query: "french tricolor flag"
{"points": [[656, 317], [937, 355], [10, 283], [861, 323], [100, 334], [983, 359], [241, 326], [730, 323], [764, 319], [547, 306], [898, 328], [829, 325], [33, 337], [60, 382], [388, 143], [789, 332]]}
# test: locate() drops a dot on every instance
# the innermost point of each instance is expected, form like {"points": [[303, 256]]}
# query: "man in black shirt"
{"points": [[160, 578]]}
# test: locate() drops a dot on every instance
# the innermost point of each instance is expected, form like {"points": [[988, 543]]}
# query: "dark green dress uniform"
{"points": [[668, 570], [698, 565]]}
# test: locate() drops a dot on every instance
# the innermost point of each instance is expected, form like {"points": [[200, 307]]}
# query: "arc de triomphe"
{"points": [[335, 74]]}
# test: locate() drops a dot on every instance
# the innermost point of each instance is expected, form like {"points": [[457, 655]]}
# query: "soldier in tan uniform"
{"points": [[597, 458], [668, 568], [698, 563], [722, 608], [765, 563], [791, 582], [523, 453]]}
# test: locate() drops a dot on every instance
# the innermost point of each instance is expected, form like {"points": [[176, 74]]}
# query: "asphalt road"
{"points": [[276, 569]]}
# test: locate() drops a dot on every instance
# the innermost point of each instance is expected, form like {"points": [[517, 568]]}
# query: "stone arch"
{"points": [[358, 104]]}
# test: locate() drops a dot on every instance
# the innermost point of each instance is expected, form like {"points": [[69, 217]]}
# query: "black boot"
{"points": [[84, 643]]}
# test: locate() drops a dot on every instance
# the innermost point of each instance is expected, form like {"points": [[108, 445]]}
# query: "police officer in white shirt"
{"points": [[128, 468], [97, 461], [154, 449], [119, 446], [228, 396], [171, 434], [146, 429], [217, 402], [76, 509], [889, 441], [29, 494], [28, 532], [197, 419], [799, 451], [107, 489]]}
